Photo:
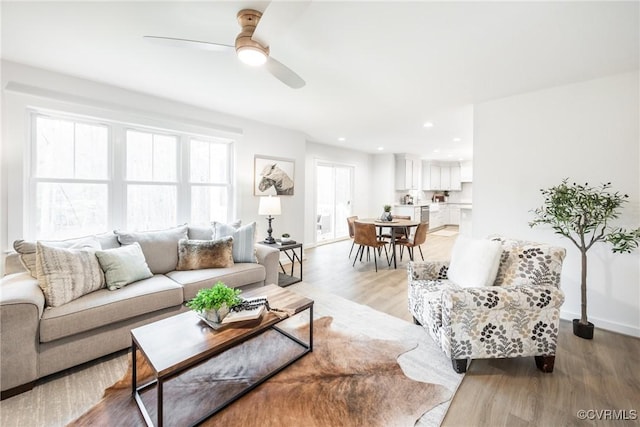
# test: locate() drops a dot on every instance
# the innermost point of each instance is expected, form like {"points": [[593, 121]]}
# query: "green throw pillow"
{"points": [[123, 265]]}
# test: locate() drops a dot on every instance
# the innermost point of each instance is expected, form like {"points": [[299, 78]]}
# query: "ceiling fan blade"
{"points": [[171, 41], [284, 73], [277, 18]]}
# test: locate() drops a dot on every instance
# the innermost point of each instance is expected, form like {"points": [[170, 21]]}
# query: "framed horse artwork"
{"points": [[273, 176]]}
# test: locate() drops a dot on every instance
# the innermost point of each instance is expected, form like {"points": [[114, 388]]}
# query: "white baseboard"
{"points": [[632, 330]]}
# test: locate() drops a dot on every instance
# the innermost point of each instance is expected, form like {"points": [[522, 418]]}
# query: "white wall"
{"points": [[383, 187], [588, 132], [361, 163], [31, 87]]}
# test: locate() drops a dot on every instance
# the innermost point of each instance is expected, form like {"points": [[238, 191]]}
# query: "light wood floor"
{"points": [[598, 375]]}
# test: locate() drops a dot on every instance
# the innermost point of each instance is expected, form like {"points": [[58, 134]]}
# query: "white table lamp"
{"points": [[269, 206]]}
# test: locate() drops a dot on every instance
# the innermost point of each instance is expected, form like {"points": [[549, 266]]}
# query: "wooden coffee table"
{"points": [[176, 344]]}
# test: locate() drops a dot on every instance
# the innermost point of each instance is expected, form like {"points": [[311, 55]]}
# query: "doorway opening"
{"points": [[334, 189]]}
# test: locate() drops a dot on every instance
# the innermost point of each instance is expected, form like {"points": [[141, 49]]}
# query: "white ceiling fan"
{"points": [[251, 44]]}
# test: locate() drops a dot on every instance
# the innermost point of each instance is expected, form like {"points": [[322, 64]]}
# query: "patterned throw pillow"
{"points": [[160, 248], [199, 254], [528, 263], [123, 265], [27, 250], [244, 240], [67, 274]]}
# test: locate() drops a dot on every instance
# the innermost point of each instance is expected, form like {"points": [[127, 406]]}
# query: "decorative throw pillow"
{"points": [[244, 240], [233, 224], [27, 250], [474, 263], [123, 265], [200, 232], [67, 274], [198, 254], [160, 248]]}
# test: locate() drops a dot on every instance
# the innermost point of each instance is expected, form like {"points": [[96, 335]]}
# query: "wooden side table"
{"points": [[293, 251]]}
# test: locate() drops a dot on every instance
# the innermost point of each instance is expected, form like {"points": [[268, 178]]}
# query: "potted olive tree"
{"points": [[214, 303], [583, 213]]}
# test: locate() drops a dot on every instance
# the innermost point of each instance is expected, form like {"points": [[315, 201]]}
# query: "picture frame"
{"points": [[273, 176]]}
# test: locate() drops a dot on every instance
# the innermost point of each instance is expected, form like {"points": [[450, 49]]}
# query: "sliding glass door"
{"points": [[333, 200]]}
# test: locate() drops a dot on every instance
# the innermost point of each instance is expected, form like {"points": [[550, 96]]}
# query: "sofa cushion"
{"points": [[217, 224], [27, 250], [200, 232], [160, 247], [240, 274], [199, 254], [474, 262], [67, 274], [244, 240], [123, 265], [105, 307]]}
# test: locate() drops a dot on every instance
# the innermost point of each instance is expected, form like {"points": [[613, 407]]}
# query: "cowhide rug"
{"points": [[348, 380]]}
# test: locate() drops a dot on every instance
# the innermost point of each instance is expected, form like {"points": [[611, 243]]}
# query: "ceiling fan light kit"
{"points": [[248, 50]]}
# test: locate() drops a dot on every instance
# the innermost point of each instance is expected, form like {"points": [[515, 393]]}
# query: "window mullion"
{"points": [[184, 184]]}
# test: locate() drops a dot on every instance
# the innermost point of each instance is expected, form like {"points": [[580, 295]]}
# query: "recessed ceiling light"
{"points": [[428, 124], [436, 151], [342, 139], [457, 139], [460, 159], [380, 148]]}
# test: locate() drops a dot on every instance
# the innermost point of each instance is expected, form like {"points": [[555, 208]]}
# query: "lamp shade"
{"points": [[269, 206]]}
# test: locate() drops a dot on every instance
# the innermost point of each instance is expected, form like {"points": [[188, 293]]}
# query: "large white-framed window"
{"points": [[91, 175], [70, 177]]}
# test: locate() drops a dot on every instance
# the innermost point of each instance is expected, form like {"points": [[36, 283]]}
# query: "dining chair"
{"points": [[397, 233], [350, 221], [419, 237], [365, 236]]}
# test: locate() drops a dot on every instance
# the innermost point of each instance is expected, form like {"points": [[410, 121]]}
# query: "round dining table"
{"points": [[394, 224]]}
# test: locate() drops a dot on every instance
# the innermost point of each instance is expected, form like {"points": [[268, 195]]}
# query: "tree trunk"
{"points": [[583, 290]]}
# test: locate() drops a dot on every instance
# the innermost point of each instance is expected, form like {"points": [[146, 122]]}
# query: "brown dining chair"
{"points": [[397, 232], [350, 221], [365, 236], [419, 237]]}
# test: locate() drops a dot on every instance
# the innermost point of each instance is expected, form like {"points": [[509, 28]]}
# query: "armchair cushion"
{"points": [[474, 262]]}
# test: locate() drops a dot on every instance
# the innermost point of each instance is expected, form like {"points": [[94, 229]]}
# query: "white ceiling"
{"points": [[375, 71]]}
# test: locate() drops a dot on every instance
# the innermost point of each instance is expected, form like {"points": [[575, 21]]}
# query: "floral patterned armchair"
{"points": [[517, 316]]}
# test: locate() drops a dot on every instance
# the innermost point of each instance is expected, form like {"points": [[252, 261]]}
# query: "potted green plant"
{"points": [[214, 303], [582, 214], [386, 215], [285, 238]]}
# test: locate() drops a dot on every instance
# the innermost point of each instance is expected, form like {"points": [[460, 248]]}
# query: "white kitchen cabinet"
{"points": [[407, 210], [466, 171], [407, 173], [455, 183], [431, 179], [439, 176], [454, 215], [445, 177], [436, 216]]}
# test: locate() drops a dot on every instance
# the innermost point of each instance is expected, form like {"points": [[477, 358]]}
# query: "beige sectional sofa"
{"points": [[37, 340]]}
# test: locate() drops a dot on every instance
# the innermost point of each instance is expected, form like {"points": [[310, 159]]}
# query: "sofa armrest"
{"points": [[21, 307], [270, 259], [427, 270], [490, 298]]}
